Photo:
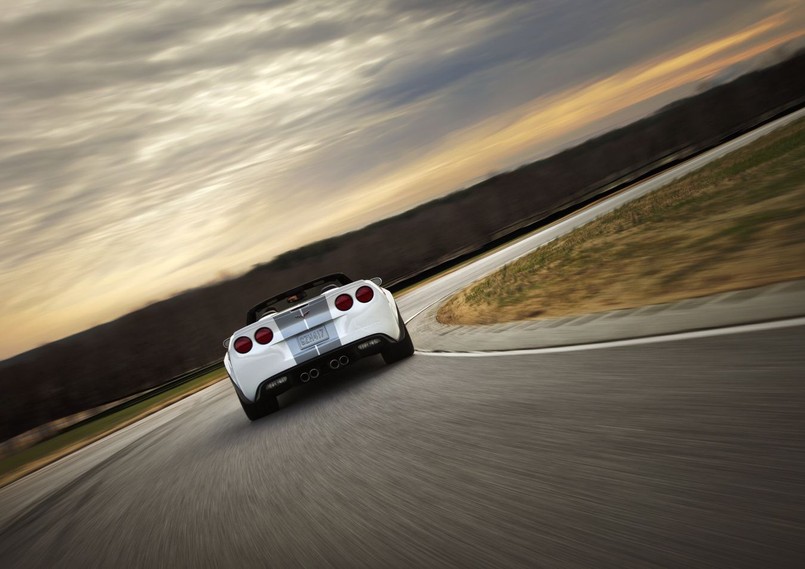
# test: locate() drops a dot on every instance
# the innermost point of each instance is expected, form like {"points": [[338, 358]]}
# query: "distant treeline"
{"points": [[147, 347]]}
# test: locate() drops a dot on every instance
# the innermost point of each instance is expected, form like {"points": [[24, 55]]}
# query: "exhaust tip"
{"points": [[334, 364], [304, 377], [314, 373], [343, 360]]}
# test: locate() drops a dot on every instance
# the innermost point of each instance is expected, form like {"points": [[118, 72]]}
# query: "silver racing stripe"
{"points": [[300, 320]]}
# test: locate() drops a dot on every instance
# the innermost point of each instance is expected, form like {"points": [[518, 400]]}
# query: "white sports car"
{"points": [[310, 331]]}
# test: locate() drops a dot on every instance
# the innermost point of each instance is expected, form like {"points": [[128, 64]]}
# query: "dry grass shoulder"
{"points": [[26, 461], [737, 223]]}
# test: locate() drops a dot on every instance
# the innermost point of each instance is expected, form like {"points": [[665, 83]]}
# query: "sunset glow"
{"points": [[147, 153]]}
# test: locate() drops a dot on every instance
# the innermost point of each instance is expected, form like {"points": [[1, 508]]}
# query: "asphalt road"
{"points": [[686, 453], [681, 454]]}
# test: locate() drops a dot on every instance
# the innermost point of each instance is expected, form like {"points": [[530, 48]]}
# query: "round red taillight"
{"points": [[365, 294], [263, 335], [243, 345], [343, 302]]}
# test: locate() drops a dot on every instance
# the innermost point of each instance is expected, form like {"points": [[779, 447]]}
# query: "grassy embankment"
{"points": [[737, 223], [41, 454]]}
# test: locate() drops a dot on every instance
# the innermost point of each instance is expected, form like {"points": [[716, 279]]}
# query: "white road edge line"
{"points": [[740, 329]]}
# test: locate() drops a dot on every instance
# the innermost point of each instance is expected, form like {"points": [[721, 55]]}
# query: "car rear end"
{"points": [[312, 339]]}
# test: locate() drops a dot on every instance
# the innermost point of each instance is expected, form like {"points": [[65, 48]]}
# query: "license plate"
{"points": [[312, 337]]}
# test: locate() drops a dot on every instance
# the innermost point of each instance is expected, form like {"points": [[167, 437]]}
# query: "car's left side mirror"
{"points": [[377, 280], [226, 343]]}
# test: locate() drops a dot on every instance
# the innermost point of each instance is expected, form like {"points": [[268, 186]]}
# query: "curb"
{"points": [[771, 302]]}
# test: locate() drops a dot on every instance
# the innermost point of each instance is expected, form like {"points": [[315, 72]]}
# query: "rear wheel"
{"points": [[260, 408], [399, 350]]}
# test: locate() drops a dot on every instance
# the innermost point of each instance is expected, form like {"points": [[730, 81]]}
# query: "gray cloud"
{"points": [[166, 138]]}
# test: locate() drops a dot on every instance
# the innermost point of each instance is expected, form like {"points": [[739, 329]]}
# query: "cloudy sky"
{"points": [[148, 147]]}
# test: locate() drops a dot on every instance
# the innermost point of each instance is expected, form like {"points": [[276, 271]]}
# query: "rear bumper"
{"points": [[368, 346]]}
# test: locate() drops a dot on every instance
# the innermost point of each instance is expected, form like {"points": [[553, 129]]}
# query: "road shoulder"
{"points": [[772, 302]]}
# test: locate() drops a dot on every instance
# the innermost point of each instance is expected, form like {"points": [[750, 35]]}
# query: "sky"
{"points": [[151, 147]]}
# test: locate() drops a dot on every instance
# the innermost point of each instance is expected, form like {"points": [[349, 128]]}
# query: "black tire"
{"points": [[399, 350], [260, 408]]}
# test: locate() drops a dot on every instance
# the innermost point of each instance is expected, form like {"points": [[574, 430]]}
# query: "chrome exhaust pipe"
{"points": [[314, 373], [343, 360], [304, 377], [334, 364]]}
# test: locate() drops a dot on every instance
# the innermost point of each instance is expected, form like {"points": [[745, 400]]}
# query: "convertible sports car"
{"points": [[309, 331]]}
